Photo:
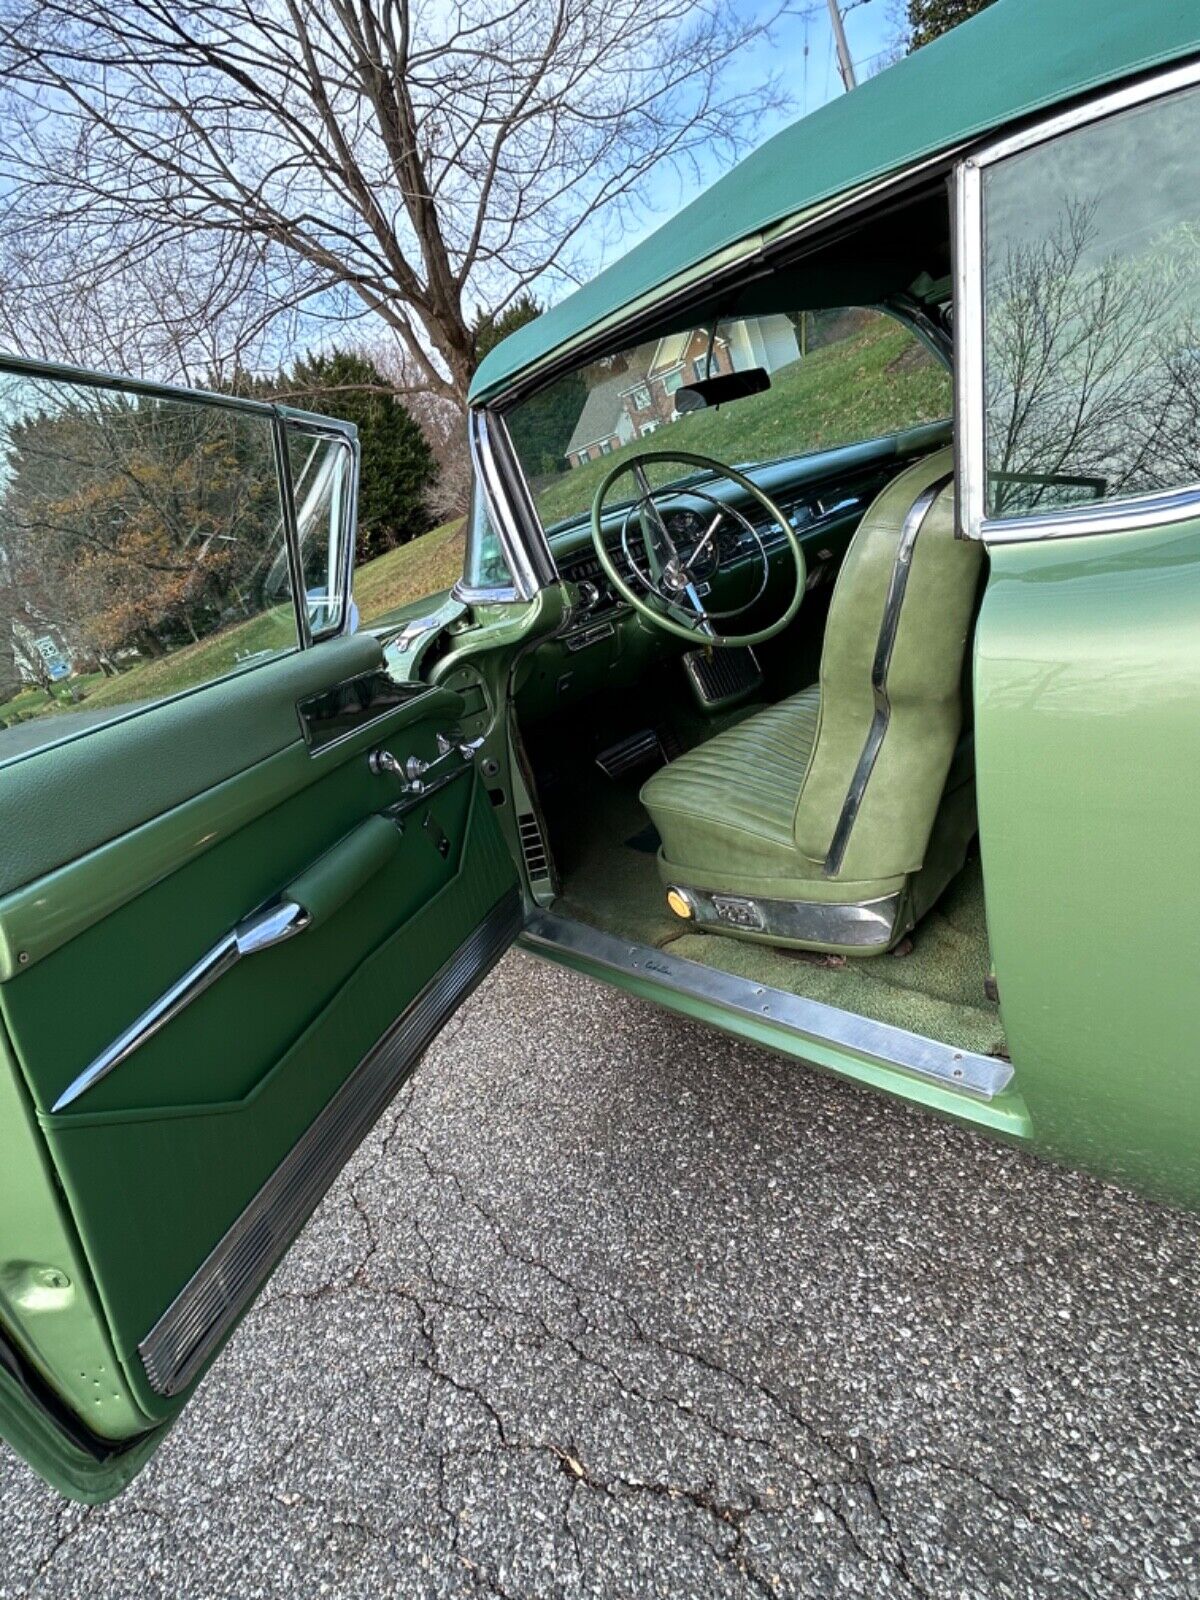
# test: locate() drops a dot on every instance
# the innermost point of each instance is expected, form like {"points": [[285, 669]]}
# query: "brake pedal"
{"points": [[639, 749]]}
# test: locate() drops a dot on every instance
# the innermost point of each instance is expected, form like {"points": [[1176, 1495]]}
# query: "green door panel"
{"points": [[46, 1288], [80, 791], [204, 812], [1087, 693], [40, 916]]}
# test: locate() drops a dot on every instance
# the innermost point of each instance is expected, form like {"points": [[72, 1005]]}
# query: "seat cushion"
{"points": [[729, 805]]}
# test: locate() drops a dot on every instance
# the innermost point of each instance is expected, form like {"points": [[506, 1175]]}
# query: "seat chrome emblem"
{"points": [[738, 913]]}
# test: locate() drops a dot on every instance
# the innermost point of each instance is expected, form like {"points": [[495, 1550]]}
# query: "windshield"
{"points": [[833, 377]]}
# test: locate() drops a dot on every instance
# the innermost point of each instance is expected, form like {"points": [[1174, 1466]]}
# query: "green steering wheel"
{"points": [[674, 579]]}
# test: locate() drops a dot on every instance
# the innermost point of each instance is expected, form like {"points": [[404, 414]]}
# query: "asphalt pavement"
{"points": [[612, 1306], [50, 727]]}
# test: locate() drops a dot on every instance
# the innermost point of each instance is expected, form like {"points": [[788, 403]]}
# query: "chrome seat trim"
{"points": [[980, 1077], [191, 1327], [898, 584], [865, 925]]}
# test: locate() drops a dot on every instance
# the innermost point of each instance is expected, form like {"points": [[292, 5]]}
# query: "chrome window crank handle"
{"points": [[413, 772]]}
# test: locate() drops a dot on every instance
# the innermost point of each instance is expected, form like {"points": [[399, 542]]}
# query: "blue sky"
{"points": [[803, 51]]}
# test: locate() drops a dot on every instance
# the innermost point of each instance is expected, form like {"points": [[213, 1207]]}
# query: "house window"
{"points": [[648, 427], [1091, 269], [606, 447], [641, 398], [672, 381], [584, 455]]}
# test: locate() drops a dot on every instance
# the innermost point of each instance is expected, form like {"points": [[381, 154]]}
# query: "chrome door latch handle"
{"points": [[413, 773]]}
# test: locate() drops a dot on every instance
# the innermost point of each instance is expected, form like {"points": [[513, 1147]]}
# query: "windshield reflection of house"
{"points": [[632, 403]]}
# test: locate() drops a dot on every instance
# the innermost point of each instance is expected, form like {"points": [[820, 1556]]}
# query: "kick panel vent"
{"points": [[533, 847]]}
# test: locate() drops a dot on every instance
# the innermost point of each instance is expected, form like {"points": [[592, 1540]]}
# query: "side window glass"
{"points": [[320, 465], [1092, 313], [410, 580], [142, 552]]}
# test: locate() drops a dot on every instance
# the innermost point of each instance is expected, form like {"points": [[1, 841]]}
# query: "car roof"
{"points": [[1013, 59]]}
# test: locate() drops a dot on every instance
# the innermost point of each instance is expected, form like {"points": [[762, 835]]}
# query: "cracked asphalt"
{"points": [[612, 1306]]}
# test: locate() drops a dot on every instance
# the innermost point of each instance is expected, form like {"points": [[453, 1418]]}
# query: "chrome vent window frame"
{"points": [[290, 421], [511, 507], [1162, 507]]}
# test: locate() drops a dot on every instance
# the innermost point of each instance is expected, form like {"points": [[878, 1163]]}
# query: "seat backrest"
{"points": [[891, 681]]}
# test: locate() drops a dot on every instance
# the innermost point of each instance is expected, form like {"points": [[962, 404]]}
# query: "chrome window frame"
{"points": [[279, 418], [1115, 516], [512, 511], [321, 428]]}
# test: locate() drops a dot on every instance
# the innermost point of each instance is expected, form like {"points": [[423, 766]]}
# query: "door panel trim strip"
{"points": [[977, 1076], [192, 1326], [260, 931]]}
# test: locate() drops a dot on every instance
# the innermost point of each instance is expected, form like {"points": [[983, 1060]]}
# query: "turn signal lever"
{"points": [[414, 773]]}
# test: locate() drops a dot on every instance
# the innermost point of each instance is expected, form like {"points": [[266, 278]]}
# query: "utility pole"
{"points": [[845, 63]]}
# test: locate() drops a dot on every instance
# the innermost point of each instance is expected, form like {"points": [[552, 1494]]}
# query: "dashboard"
{"points": [[823, 497], [608, 646]]}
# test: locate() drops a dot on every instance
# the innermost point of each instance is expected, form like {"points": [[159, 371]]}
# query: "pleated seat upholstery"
{"points": [[742, 786], [847, 794]]}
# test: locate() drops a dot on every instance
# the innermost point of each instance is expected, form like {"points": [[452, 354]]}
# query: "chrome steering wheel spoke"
{"points": [[670, 572]]}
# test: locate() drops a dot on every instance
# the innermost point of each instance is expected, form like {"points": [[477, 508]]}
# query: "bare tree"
{"points": [[1091, 362], [441, 422], [335, 157]]}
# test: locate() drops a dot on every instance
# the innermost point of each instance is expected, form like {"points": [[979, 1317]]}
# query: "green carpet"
{"points": [[936, 990]]}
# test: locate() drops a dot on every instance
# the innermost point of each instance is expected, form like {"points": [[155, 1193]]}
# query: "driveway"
{"points": [[612, 1306], [37, 731]]}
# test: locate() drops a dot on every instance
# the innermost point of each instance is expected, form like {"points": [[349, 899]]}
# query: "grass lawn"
{"points": [[32, 702], [875, 382], [423, 567]]}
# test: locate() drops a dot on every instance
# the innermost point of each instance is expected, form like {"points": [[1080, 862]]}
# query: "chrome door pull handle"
{"points": [[259, 931], [414, 772]]}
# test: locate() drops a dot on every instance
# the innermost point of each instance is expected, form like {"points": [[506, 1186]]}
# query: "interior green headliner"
{"points": [[1017, 57]]}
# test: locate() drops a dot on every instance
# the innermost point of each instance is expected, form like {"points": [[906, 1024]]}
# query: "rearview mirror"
{"points": [[716, 391]]}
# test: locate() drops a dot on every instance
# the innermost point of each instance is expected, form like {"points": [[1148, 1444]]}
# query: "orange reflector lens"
{"points": [[679, 905]]}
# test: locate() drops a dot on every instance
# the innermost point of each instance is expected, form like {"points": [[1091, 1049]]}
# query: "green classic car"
{"points": [[825, 667]]}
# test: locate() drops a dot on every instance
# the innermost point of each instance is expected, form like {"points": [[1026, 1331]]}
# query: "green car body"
{"points": [[232, 918]]}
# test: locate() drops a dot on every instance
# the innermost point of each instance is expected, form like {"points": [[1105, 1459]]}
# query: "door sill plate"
{"points": [[979, 1077]]}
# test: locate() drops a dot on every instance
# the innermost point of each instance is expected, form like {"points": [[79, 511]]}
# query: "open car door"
{"points": [[245, 877]]}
